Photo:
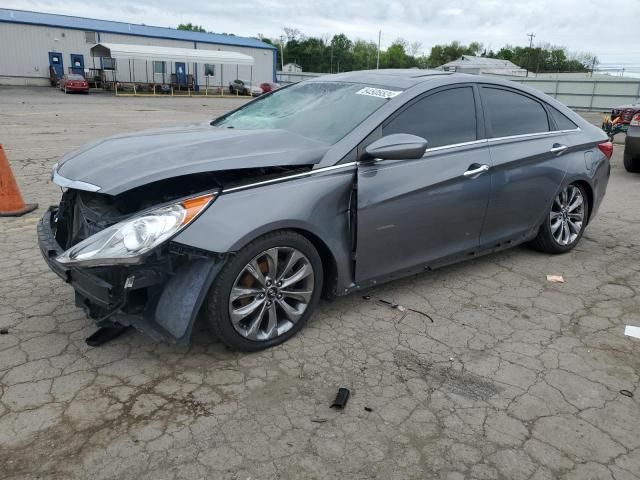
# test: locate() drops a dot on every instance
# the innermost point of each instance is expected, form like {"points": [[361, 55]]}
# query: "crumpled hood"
{"points": [[120, 163]]}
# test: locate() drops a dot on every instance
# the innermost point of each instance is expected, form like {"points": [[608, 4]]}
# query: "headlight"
{"points": [[127, 241]]}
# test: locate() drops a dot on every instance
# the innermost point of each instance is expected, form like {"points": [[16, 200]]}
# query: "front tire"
{"points": [[631, 163], [266, 292], [565, 223]]}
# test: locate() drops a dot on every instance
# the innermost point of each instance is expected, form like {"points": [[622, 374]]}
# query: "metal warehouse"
{"points": [[34, 46]]}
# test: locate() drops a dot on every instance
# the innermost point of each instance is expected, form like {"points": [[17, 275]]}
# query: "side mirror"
{"points": [[397, 146]]}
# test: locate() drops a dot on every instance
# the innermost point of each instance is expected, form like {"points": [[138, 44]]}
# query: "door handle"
{"points": [[480, 169], [557, 148]]}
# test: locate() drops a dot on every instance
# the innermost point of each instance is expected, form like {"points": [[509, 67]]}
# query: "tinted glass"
{"points": [[324, 111], [443, 118], [562, 122], [510, 113], [75, 77]]}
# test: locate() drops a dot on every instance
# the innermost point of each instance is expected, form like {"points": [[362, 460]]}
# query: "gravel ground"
{"points": [[516, 378]]}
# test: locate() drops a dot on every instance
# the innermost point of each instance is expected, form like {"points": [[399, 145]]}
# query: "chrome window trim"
{"points": [[290, 177], [75, 184], [495, 139], [531, 135], [455, 145]]}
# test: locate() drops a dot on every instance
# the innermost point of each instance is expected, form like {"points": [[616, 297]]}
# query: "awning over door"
{"points": [[153, 53]]}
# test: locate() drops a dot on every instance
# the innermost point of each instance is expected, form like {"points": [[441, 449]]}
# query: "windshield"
{"points": [[324, 111]]}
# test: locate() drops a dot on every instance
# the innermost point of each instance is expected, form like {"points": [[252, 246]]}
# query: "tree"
{"points": [[193, 28]]}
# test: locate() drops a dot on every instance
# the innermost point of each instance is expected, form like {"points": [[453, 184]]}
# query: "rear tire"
{"points": [[565, 222], [631, 163], [282, 303]]}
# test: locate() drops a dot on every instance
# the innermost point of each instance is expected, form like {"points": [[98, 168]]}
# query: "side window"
{"points": [[443, 118], [510, 113], [562, 122]]}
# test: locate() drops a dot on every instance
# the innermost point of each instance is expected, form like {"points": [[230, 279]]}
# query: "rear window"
{"points": [[562, 122], [511, 113], [75, 77]]}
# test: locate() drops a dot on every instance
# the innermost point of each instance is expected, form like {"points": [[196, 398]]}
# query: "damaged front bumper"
{"points": [[159, 297]]}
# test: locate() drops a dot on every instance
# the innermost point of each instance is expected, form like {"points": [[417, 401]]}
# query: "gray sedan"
{"points": [[321, 188]]}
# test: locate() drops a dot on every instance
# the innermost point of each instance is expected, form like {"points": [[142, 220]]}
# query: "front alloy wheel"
{"points": [[265, 292], [271, 293]]}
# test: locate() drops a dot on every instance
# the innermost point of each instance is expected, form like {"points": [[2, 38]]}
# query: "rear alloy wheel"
{"points": [[565, 222], [266, 292]]}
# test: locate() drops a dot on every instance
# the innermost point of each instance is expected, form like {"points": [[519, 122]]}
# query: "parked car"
{"points": [[619, 119], [326, 187], [267, 87], [244, 87], [72, 82], [632, 145]]}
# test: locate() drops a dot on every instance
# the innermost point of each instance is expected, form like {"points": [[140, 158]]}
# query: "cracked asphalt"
{"points": [[516, 378]]}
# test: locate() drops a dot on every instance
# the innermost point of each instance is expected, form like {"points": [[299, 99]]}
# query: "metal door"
{"points": [[181, 73], [77, 64], [56, 64]]}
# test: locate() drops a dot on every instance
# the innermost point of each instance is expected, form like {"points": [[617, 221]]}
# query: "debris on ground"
{"points": [[341, 398], [399, 307], [4, 331], [104, 335], [368, 409], [626, 393], [555, 278], [631, 331], [318, 420]]}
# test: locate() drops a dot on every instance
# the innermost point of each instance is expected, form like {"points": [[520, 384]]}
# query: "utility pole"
{"points": [[282, 53], [530, 35], [378, 61], [331, 69]]}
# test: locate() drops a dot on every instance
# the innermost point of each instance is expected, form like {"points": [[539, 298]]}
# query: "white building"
{"points": [[482, 66], [32, 43], [291, 68]]}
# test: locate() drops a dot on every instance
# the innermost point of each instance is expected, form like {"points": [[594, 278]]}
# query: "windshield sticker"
{"points": [[377, 92]]}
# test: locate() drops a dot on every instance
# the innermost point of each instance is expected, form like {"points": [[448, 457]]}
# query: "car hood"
{"points": [[120, 163]]}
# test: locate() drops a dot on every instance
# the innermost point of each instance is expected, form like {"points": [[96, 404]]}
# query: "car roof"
{"points": [[392, 77]]}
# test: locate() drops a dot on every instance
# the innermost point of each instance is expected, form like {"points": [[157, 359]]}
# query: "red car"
{"points": [[269, 87], [72, 82]]}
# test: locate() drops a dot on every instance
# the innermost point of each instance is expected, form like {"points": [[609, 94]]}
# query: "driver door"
{"points": [[418, 213]]}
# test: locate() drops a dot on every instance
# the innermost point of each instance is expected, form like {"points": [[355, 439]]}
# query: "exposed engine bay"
{"points": [[82, 213]]}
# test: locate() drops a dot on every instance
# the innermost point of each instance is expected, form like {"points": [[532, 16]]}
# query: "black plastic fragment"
{"points": [[368, 409], [4, 331], [626, 393], [341, 398], [399, 307], [104, 335]]}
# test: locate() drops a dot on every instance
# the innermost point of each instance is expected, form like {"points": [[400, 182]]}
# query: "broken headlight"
{"points": [[127, 241]]}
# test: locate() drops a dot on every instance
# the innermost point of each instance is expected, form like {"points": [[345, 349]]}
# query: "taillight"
{"points": [[635, 121], [607, 149]]}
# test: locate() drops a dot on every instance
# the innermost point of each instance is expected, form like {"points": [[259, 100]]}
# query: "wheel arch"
{"points": [[590, 199]]}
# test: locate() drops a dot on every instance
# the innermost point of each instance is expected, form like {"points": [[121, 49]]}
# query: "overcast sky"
{"points": [[580, 25]]}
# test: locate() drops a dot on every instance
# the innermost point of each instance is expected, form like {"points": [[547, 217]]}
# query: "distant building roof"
{"points": [[108, 26], [469, 61]]}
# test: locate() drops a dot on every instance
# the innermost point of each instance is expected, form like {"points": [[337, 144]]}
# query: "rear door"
{"points": [[529, 162], [415, 213]]}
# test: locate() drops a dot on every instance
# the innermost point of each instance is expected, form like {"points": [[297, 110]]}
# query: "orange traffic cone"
{"points": [[11, 203]]}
